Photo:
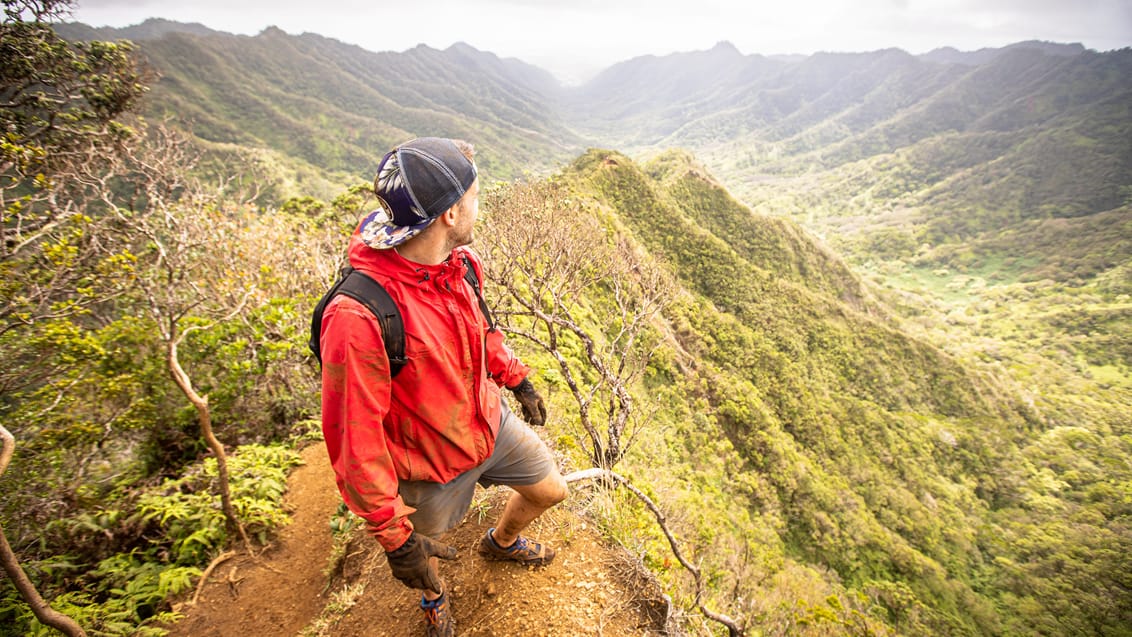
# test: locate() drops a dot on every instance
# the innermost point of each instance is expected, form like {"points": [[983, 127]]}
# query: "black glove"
{"points": [[534, 409], [410, 563]]}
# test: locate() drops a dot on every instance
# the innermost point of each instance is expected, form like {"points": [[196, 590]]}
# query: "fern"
{"points": [[128, 593]]}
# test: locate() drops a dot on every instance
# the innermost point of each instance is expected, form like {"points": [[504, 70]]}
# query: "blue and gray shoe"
{"points": [[523, 550]]}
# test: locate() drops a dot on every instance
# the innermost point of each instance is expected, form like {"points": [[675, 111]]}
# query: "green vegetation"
{"points": [[182, 527], [919, 481], [318, 114], [113, 252], [924, 433]]}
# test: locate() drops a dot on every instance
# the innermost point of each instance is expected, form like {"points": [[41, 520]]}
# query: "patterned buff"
{"points": [[379, 231]]}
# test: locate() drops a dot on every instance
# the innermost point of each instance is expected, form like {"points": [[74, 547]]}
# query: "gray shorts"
{"points": [[519, 458]]}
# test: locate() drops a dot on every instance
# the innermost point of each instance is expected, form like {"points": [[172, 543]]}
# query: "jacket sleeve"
{"points": [[503, 365], [355, 398], [506, 368]]}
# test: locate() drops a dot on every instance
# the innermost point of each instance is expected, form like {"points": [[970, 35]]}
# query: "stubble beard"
{"points": [[457, 238], [462, 236]]}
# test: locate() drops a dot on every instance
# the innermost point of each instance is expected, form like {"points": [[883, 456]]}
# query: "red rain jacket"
{"points": [[439, 416]]}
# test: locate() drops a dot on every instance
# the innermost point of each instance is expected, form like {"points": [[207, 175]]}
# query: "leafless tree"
{"points": [[185, 270], [581, 294]]}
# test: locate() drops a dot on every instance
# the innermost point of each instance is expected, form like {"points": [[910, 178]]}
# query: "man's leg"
{"points": [[434, 563], [527, 503], [439, 507]]}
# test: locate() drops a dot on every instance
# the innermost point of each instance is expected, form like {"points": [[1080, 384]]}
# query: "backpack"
{"points": [[362, 288]]}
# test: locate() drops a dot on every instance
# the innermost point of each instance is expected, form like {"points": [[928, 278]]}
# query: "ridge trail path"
{"points": [[297, 589]]}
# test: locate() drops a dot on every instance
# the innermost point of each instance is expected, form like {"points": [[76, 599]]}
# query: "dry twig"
{"points": [[220, 559], [605, 475]]}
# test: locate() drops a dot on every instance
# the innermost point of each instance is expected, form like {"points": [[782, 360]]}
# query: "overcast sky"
{"points": [[574, 38]]}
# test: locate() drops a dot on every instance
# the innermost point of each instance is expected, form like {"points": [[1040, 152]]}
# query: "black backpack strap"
{"points": [[474, 281], [362, 288], [315, 343]]}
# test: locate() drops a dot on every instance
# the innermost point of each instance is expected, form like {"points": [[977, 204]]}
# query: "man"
{"points": [[408, 450]]}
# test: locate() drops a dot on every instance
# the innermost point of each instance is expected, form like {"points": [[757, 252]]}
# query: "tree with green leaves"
{"points": [[60, 105]]}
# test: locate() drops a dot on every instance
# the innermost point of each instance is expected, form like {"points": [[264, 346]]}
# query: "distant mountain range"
{"points": [[334, 107], [950, 55], [882, 154], [879, 153], [323, 106]]}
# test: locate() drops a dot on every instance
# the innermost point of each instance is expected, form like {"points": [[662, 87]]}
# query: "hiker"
{"points": [[410, 439]]}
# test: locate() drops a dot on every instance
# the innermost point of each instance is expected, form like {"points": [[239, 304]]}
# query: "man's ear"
{"points": [[448, 217]]}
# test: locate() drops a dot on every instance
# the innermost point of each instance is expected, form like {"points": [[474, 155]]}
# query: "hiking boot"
{"points": [[522, 551], [438, 617]]}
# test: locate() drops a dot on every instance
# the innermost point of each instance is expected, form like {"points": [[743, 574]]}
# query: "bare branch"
{"points": [[556, 269], [204, 417], [607, 476], [42, 610], [217, 561]]}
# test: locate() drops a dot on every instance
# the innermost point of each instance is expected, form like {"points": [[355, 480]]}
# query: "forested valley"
{"points": [[859, 325]]}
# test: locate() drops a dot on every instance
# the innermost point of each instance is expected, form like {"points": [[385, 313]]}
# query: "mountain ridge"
{"points": [[154, 28], [702, 100], [890, 392], [795, 374]]}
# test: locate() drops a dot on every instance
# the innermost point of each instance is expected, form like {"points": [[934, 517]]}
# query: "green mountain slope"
{"points": [[338, 106], [894, 397], [325, 104], [868, 460]]}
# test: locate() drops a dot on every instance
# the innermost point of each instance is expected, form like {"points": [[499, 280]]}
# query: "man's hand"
{"points": [[534, 409], [411, 565]]}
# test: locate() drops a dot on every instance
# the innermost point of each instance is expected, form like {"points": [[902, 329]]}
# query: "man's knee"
{"points": [[558, 490], [549, 491]]}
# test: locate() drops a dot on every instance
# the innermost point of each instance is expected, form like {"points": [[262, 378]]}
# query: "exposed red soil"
{"points": [[293, 589]]}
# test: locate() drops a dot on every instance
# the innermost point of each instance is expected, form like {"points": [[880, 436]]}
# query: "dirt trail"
{"points": [[590, 589]]}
